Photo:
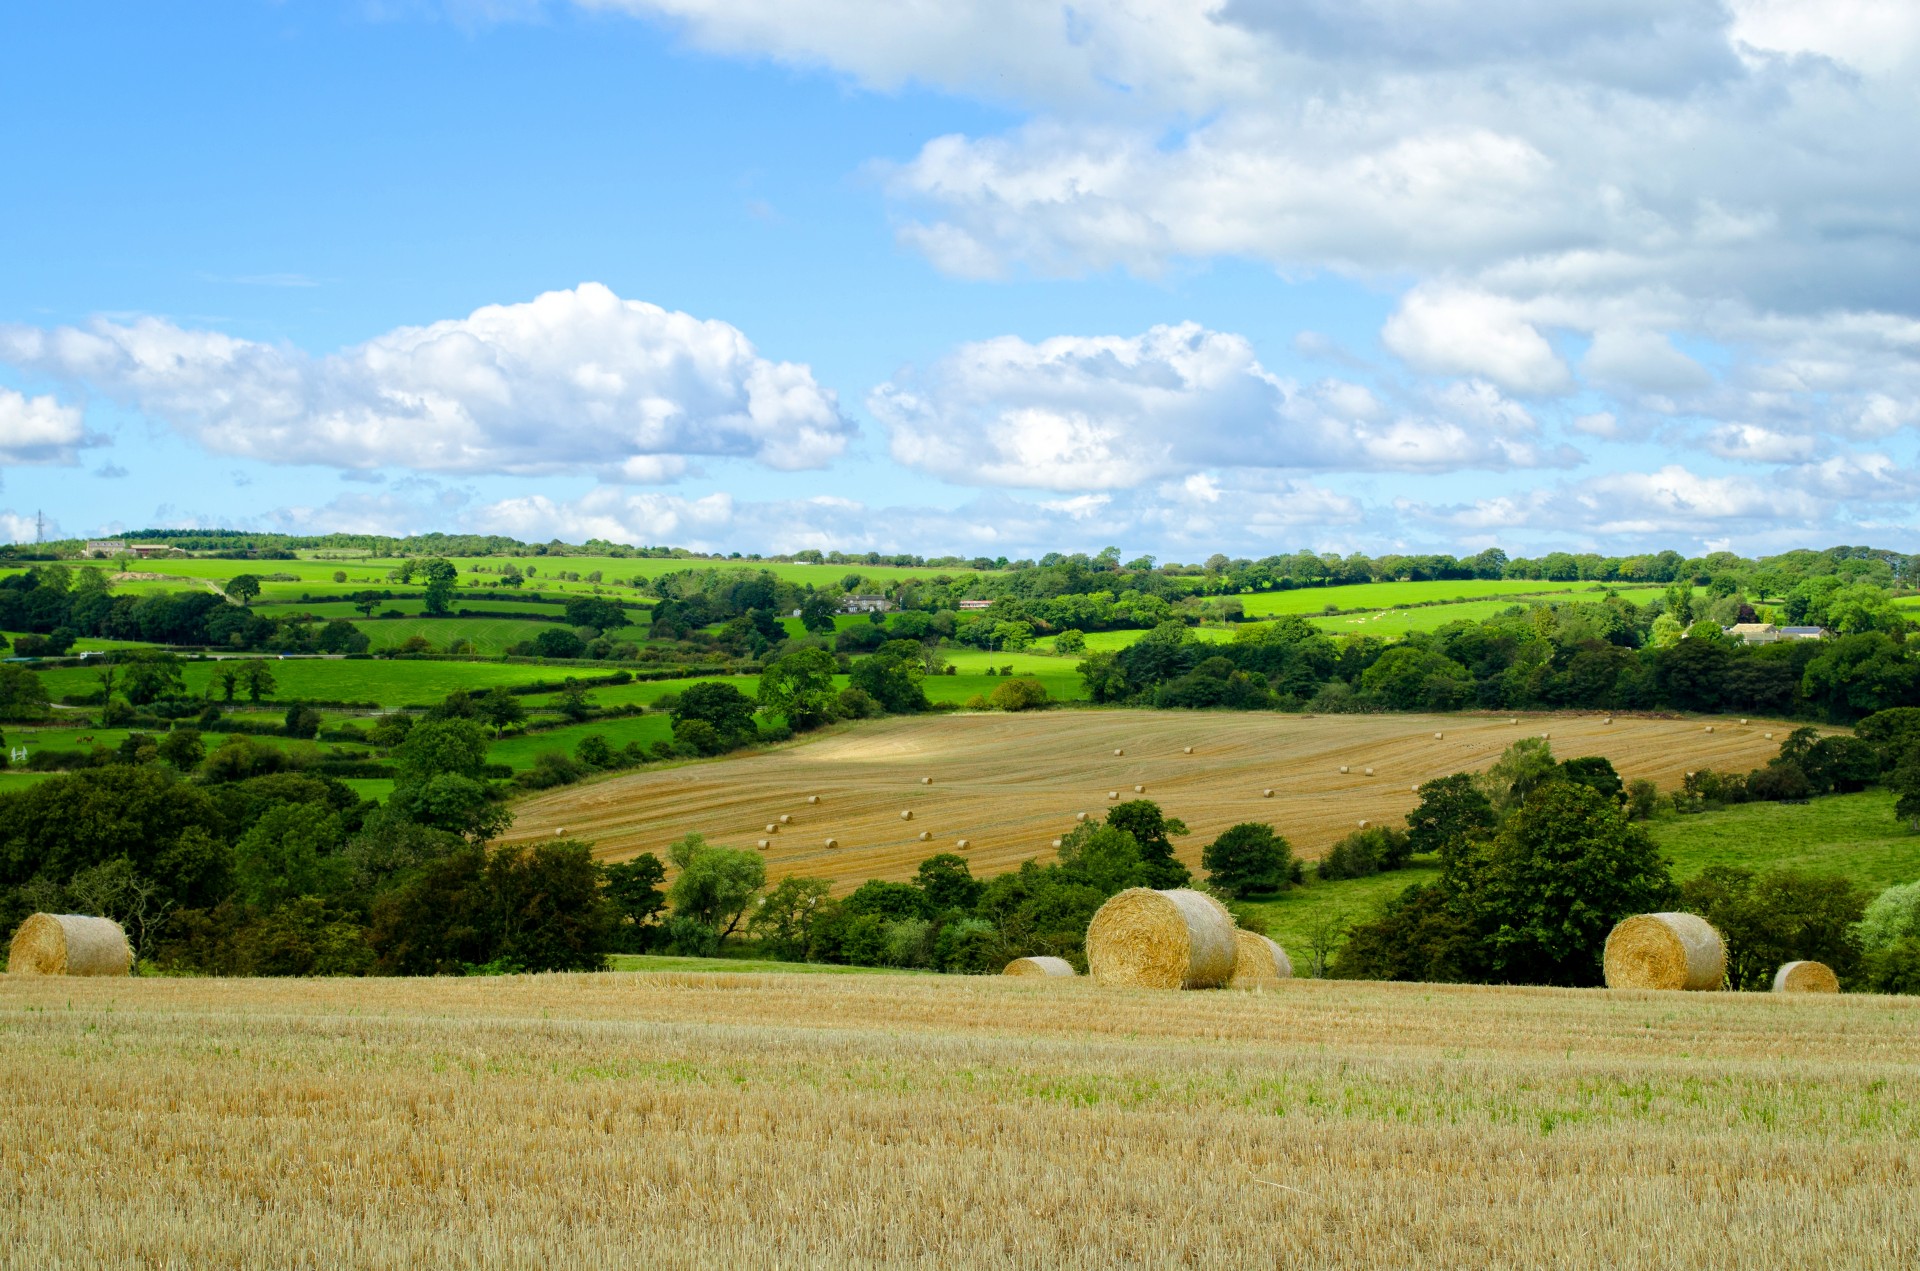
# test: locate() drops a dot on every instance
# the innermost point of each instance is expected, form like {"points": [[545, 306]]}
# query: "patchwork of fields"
{"points": [[1009, 784], [863, 1120]]}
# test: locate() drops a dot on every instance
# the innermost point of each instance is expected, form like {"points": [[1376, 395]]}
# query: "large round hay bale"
{"points": [[907, 815], [813, 798], [1178, 939], [69, 944], [1665, 951], [1051, 968], [1258, 961], [1805, 977]]}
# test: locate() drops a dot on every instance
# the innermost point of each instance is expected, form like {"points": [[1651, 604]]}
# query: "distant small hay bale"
{"points": [[1513, 721], [1709, 727], [1186, 750], [926, 781], [833, 842], [1258, 961], [1267, 793], [1769, 736], [1139, 789], [1805, 977], [762, 844], [1343, 767], [1607, 720], [1369, 772], [1113, 794], [962, 844], [1119, 752], [813, 798], [1058, 842], [69, 944], [1743, 723], [907, 815], [925, 835], [1546, 736], [1079, 816], [786, 818], [773, 827], [1363, 825], [1161, 940], [1042, 968], [1414, 789], [1665, 951], [1439, 736]]}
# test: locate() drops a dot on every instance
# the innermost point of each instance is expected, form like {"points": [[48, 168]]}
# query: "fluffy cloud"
{"points": [[1201, 514], [40, 430], [1119, 412], [572, 380], [1667, 506]]}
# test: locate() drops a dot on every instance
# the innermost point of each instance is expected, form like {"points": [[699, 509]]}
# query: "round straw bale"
{"points": [[1258, 961], [1743, 723], [926, 781], [1267, 793], [1805, 977], [1513, 721], [1113, 794], [1043, 967], [1607, 720], [1439, 736], [907, 815], [962, 844], [773, 827], [1709, 727], [1119, 752], [761, 844], [833, 842], [813, 798], [1414, 789], [786, 818], [1343, 767], [1079, 816], [1058, 842], [1665, 951], [925, 835], [1186, 750], [1139, 789], [1161, 940], [69, 944], [1769, 736], [1363, 825]]}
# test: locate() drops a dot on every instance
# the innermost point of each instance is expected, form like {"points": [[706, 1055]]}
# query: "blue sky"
{"points": [[1176, 275]]}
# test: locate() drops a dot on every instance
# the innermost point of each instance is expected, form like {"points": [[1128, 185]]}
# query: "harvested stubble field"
{"points": [[770, 1120], [1010, 784]]}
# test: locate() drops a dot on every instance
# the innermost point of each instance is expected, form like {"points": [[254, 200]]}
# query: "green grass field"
{"points": [[390, 683], [970, 666], [519, 752], [1391, 624], [1312, 600], [490, 636]]}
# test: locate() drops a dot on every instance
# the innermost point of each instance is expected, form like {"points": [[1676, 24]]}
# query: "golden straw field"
{"points": [[769, 1120], [1010, 784]]}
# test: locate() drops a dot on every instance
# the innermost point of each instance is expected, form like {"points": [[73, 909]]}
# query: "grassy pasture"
{"points": [[866, 1120], [390, 683], [1391, 624], [519, 752], [491, 636], [1010, 783], [1313, 600]]}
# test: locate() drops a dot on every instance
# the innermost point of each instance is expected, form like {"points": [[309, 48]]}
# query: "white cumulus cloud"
{"points": [[570, 381], [40, 429], [1118, 412]]}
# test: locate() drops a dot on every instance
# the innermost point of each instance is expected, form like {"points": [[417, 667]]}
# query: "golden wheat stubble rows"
{"points": [[775, 1120], [1010, 784]]}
